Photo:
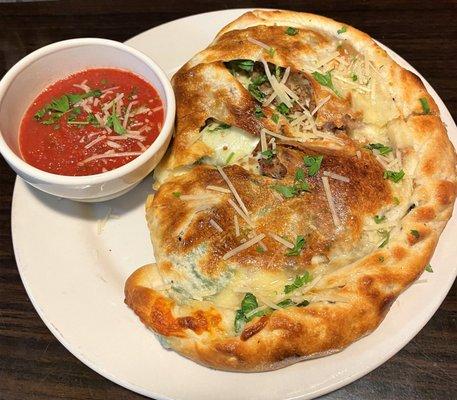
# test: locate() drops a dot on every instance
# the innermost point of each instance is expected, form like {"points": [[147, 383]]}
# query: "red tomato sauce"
{"points": [[91, 122]]}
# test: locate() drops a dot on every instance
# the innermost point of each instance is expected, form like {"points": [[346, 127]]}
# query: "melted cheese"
{"points": [[224, 142]]}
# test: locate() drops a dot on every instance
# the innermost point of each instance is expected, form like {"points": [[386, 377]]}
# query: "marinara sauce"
{"points": [[91, 122]]}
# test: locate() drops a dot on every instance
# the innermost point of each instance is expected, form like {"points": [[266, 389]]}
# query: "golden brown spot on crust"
{"points": [[399, 253], [161, 318], [254, 328], [429, 167], [445, 192], [425, 214]]}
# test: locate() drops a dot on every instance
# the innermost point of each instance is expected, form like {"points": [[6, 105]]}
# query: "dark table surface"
{"points": [[34, 365]]}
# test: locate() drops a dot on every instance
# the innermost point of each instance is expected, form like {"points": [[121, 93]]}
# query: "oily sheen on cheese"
{"points": [[307, 184]]}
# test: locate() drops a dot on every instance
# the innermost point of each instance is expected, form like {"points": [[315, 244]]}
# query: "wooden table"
{"points": [[34, 365]]}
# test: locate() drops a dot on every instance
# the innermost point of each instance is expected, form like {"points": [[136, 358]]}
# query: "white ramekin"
{"points": [[25, 80]]}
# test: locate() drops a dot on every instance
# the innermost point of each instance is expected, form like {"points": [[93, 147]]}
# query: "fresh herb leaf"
{"points": [[245, 65], [325, 80], [298, 282], [383, 149], [258, 112], [286, 191], [177, 194], [92, 120], [291, 31], [220, 127], [229, 158], [278, 72], [354, 77], [76, 98], [304, 303], [385, 235], [283, 109], [271, 51], [428, 268], [275, 118], [256, 92], [74, 113], [342, 30], [249, 303], [114, 122], [259, 249], [396, 201], [313, 163], [240, 320], [259, 79], [268, 154], [298, 246], [425, 105], [285, 303], [379, 218], [299, 174], [415, 233], [394, 176]]}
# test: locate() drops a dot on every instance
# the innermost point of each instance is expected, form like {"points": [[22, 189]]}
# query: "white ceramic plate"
{"points": [[75, 277]]}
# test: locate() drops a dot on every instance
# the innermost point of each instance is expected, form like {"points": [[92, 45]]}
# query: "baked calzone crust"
{"points": [[307, 184]]}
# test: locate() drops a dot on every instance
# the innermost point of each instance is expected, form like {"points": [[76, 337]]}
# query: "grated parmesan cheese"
{"points": [[232, 188], [330, 201], [281, 240], [218, 189], [215, 225], [338, 177], [244, 246]]}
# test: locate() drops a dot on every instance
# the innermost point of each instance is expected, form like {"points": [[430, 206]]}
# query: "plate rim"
{"points": [[85, 359]]}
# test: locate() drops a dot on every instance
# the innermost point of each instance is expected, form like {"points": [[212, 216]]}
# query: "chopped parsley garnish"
{"points": [[259, 112], [259, 79], [313, 163], [291, 31], [394, 176], [220, 127], [229, 158], [285, 303], [283, 109], [248, 304], [298, 246], [298, 282], [256, 92], [425, 105], [299, 175], [428, 268], [385, 236], [245, 65], [275, 118], [415, 233], [271, 51], [114, 122], [354, 77], [383, 149], [286, 191], [342, 30], [74, 113], [325, 80], [259, 249], [278, 72], [60, 106], [379, 218], [177, 194], [396, 201], [268, 154]]}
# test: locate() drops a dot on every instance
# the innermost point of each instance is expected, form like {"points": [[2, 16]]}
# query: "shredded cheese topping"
{"points": [[281, 240], [244, 246], [331, 203]]}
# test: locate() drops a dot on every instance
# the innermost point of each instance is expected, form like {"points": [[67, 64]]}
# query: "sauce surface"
{"points": [[91, 122]]}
